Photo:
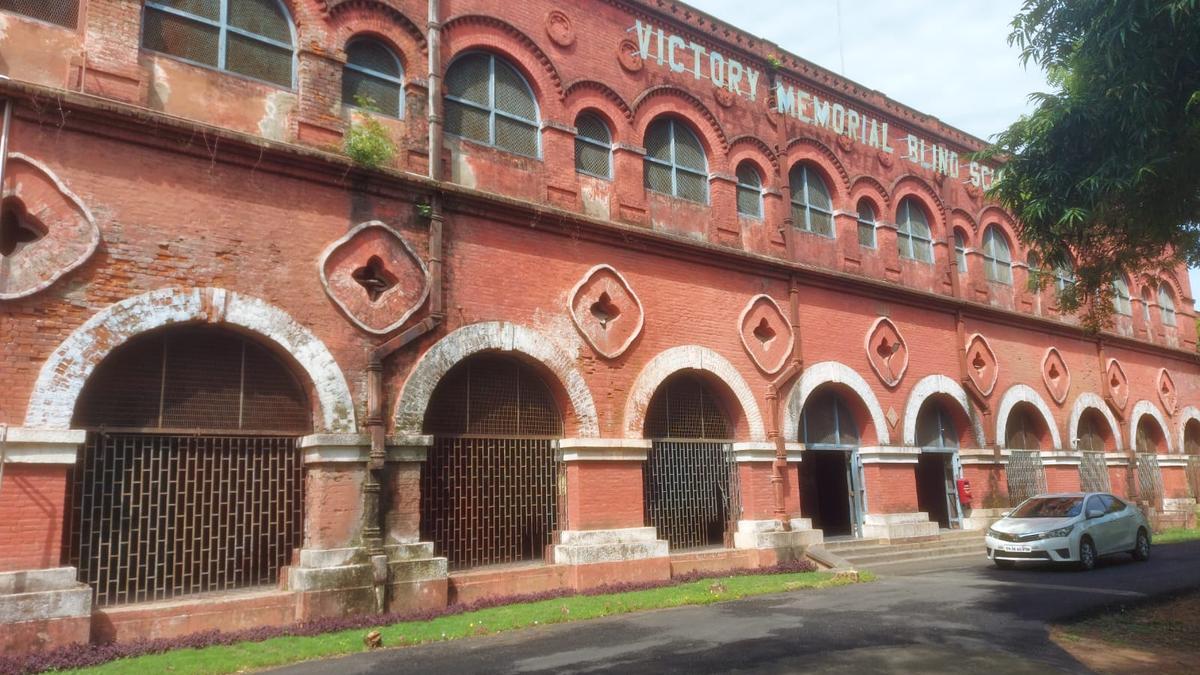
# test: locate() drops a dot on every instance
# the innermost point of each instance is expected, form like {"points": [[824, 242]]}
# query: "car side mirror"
{"points": [[1005, 514], [1094, 513]]}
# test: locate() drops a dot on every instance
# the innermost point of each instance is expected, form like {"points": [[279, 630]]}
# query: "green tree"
{"points": [[1106, 169]]}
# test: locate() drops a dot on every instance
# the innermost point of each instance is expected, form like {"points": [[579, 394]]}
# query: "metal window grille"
{"points": [[491, 484], [1025, 474], [912, 232], [812, 208], [675, 161], [691, 480], [593, 147], [373, 76], [1093, 472], [61, 12], [997, 256], [935, 429], [154, 517], [1150, 485], [248, 37], [827, 421], [1193, 476], [749, 191], [866, 225], [488, 101]]}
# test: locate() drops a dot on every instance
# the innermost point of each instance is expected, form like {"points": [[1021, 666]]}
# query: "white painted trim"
{"points": [[895, 380], [1092, 400], [1061, 458], [63, 375], [741, 328], [980, 456], [896, 454], [352, 448], [1116, 459], [23, 445], [641, 313], [764, 451], [416, 303], [1023, 393], [823, 373], [1140, 409], [1186, 415], [603, 449], [688, 357], [492, 336], [1172, 461], [937, 384]]}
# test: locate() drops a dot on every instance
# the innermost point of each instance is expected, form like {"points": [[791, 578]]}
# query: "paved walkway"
{"points": [[968, 618]]}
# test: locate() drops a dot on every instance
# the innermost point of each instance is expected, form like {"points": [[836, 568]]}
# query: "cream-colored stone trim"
{"points": [[23, 445]]}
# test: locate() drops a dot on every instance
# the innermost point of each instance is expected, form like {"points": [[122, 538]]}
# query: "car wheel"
{"points": [[1087, 555], [1141, 550], [1002, 564]]}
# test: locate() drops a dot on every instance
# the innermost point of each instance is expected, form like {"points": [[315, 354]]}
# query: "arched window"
{"points": [[812, 208], [1093, 432], [61, 12], [1121, 302], [866, 224], [960, 251], [827, 421], [675, 161], [373, 78], [997, 256], [1149, 436], [488, 101], [1146, 307], [248, 37], [935, 429], [749, 191], [593, 146], [1166, 305], [1024, 430], [912, 232], [1191, 443], [1064, 277]]}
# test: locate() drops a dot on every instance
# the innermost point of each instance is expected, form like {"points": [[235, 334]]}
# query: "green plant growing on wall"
{"points": [[425, 210], [367, 142], [774, 62]]}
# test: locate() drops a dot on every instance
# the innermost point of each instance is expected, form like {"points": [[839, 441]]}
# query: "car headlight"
{"points": [[1055, 534], [995, 534]]}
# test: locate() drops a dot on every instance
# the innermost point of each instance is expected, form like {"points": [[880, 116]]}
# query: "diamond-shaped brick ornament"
{"points": [[1167, 394], [374, 277], [887, 351], [766, 333], [982, 366], [893, 417], [1056, 375], [606, 311], [1116, 384]]}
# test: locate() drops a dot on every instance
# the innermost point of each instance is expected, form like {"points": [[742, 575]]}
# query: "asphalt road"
{"points": [[916, 619]]}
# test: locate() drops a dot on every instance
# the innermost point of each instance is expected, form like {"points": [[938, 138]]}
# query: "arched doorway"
{"points": [[1093, 438], [831, 492], [691, 481], [1025, 436], [189, 481], [937, 465], [1150, 441], [490, 485]]}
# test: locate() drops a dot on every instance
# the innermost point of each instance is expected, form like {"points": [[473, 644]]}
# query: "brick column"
{"points": [[1062, 470], [757, 528], [42, 605], [890, 485], [1176, 496], [1118, 473], [629, 183], [984, 468]]}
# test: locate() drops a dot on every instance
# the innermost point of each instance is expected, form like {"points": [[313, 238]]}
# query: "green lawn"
{"points": [[1175, 535], [284, 650]]}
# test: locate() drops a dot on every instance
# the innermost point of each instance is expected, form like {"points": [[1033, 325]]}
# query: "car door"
{"points": [[1124, 523], [1102, 529]]}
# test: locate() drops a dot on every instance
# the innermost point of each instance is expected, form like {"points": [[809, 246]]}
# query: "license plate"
{"points": [[1011, 548]]}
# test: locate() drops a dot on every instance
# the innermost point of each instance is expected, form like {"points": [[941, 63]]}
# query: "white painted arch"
{"points": [[63, 375], [1186, 415], [1093, 401], [937, 384], [827, 372], [1141, 409], [492, 336], [1023, 393], [689, 357]]}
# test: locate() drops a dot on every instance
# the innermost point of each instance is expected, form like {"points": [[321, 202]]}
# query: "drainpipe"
{"points": [[4, 131], [775, 430], [3, 448], [376, 392]]}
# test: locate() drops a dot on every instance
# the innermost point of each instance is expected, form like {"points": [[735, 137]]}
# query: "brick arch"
{"points": [[354, 18], [666, 99], [957, 216], [753, 148], [1176, 288], [1092, 401], [916, 187], [1023, 393], [931, 385], [689, 357], [864, 184], [473, 32], [832, 372], [994, 215], [494, 336], [63, 375], [1186, 415], [1141, 409], [805, 149], [589, 95]]}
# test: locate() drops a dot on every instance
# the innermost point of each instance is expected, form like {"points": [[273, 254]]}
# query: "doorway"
{"points": [[825, 492], [935, 487]]}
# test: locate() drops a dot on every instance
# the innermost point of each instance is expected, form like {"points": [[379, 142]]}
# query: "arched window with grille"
{"points": [[1121, 299], [1149, 436], [935, 428], [749, 191], [997, 256], [1166, 304], [60, 12], [254, 38], [373, 77], [1025, 429], [1093, 434], [812, 207], [912, 232], [960, 251], [866, 224], [1191, 437], [488, 101], [675, 161], [830, 477], [593, 146]]}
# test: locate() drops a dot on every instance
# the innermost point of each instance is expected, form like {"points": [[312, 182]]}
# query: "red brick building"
{"points": [[667, 297]]}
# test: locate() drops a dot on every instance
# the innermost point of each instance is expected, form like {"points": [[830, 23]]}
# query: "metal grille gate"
{"points": [[1026, 475], [1093, 472], [155, 516], [691, 490], [1193, 476], [1150, 486]]}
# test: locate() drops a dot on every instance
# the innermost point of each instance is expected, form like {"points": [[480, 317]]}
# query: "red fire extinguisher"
{"points": [[964, 491]]}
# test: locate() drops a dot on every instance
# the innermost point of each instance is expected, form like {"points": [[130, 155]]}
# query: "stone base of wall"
{"points": [[340, 582], [42, 609], [981, 519], [586, 547], [227, 612], [898, 526], [764, 535], [507, 581]]}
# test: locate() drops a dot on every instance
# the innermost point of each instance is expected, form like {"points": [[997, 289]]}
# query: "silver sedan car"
{"points": [[1073, 527]]}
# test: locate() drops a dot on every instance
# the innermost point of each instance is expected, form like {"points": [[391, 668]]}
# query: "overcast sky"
{"points": [[947, 59]]}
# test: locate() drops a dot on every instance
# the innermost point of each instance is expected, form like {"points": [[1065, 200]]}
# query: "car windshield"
{"points": [[1049, 507]]}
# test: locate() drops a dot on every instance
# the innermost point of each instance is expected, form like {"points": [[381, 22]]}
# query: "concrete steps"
{"points": [[873, 553]]}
